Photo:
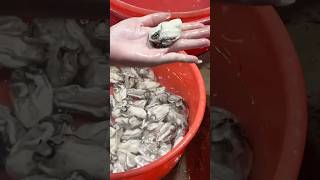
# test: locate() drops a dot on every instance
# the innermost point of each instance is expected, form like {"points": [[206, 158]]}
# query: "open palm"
{"points": [[129, 42]]}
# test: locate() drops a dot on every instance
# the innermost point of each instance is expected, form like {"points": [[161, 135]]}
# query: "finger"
{"points": [[196, 33], [190, 26], [157, 52], [186, 44], [177, 57], [206, 21], [152, 20]]}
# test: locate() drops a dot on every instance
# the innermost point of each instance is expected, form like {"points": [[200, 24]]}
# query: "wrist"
{"points": [[114, 52], [117, 54]]}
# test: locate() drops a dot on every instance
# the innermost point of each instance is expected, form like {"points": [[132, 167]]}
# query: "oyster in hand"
{"points": [[166, 33]]}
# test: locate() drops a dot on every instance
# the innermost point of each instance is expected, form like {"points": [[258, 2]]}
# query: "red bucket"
{"points": [[188, 11], [256, 75], [185, 80]]}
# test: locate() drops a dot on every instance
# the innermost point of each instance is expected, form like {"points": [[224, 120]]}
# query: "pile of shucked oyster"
{"points": [[147, 121], [58, 71]]}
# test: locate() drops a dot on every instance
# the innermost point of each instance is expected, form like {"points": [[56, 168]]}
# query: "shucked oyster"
{"points": [[39, 177], [166, 33], [11, 127], [74, 97], [98, 32], [52, 148], [15, 53], [32, 95], [95, 74], [12, 25], [146, 122], [62, 66], [35, 143]]}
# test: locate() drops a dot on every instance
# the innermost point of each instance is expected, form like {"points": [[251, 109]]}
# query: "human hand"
{"points": [[129, 44]]}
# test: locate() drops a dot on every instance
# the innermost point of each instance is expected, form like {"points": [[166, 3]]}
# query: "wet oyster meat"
{"points": [[12, 25], [146, 121], [15, 52], [95, 73], [62, 65], [32, 95], [12, 129], [55, 149], [77, 98], [166, 33], [54, 125]]}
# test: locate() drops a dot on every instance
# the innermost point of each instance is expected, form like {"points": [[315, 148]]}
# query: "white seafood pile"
{"points": [[54, 70], [146, 120]]}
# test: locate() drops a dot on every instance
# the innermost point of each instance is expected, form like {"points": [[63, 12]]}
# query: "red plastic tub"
{"points": [[186, 81], [257, 76], [190, 10]]}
